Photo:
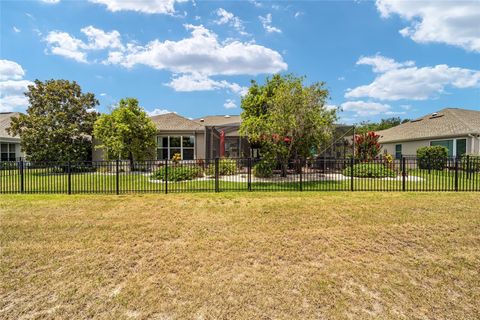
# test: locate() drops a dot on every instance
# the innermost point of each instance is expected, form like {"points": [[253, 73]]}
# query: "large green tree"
{"points": [[126, 133], [286, 118], [58, 123]]}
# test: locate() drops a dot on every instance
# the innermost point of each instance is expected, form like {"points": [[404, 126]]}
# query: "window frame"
{"points": [[396, 151], [9, 147], [169, 148]]}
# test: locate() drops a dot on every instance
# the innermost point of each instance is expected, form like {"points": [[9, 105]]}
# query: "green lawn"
{"points": [[291, 255]]}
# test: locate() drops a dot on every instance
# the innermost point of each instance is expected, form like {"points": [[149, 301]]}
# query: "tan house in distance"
{"points": [[196, 139], [456, 129], [9, 145]]}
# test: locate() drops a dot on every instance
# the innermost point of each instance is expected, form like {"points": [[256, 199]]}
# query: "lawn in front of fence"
{"points": [[292, 255]]}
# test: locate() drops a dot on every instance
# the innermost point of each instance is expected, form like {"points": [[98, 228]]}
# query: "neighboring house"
{"points": [[9, 145], [456, 129]]}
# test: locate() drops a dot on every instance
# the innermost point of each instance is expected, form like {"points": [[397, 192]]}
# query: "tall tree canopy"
{"points": [[58, 123], [387, 123], [126, 133], [286, 118]]}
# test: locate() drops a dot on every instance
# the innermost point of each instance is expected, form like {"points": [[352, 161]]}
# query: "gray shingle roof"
{"points": [[5, 123], [219, 120], [175, 122], [448, 122]]}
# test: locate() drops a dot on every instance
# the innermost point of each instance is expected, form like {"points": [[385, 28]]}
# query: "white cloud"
{"points": [[225, 17], [99, 39], [198, 82], [51, 1], [381, 64], [12, 86], [16, 30], [62, 44], [144, 6], [362, 108], [202, 53], [267, 24], [157, 112], [298, 14], [401, 81], [230, 104], [10, 70], [451, 22]]}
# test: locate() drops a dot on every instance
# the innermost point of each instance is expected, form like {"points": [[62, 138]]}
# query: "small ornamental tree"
{"points": [[58, 123], [287, 118], [367, 146], [126, 133]]}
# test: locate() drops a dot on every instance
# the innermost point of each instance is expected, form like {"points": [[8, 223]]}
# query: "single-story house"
{"points": [[9, 145], [456, 129], [203, 138]]}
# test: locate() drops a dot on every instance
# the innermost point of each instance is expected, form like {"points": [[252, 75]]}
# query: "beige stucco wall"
{"points": [[409, 148], [200, 145]]}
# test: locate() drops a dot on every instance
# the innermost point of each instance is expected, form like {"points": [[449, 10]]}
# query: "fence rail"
{"points": [[242, 174]]}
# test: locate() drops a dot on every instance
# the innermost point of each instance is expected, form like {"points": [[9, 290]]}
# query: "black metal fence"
{"points": [[245, 174]]}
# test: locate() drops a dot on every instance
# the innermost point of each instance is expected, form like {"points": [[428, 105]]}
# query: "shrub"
{"points": [[433, 157], [226, 167], [470, 163], [369, 170], [367, 146], [263, 169], [8, 165], [178, 173]]}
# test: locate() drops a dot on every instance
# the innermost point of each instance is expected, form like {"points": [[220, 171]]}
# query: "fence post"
{"points": [[249, 173], [352, 164], [117, 176], [404, 172], [456, 173], [217, 188], [166, 176], [301, 175], [22, 177], [69, 172]]}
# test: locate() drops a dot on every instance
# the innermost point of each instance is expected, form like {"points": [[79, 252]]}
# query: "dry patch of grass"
{"points": [[248, 256]]}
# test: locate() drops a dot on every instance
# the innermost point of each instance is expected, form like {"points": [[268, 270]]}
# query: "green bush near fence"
{"points": [[178, 173], [470, 163], [8, 165], [432, 158], [369, 170], [226, 167], [263, 169]]}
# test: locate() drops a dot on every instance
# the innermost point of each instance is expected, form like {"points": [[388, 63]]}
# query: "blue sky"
{"points": [[379, 59]]}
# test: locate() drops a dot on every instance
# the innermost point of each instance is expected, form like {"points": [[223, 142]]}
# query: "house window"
{"points": [[7, 152], [398, 151], [461, 147], [444, 143], [167, 146]]}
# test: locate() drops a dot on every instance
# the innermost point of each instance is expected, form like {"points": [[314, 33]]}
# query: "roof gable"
{"points": [[175, 122], [5, 119]]}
